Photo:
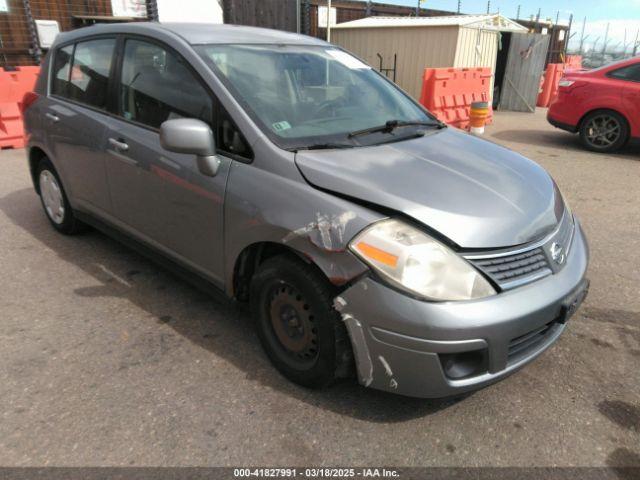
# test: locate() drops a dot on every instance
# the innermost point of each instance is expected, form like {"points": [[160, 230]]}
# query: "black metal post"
{"points": [[584, 24], [152, 10], [306, 17], [568, 36], [33, 34]]}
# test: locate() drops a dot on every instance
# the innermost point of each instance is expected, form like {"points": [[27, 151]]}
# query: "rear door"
{"points": [[160, 196], [628, 80], [76, 115]]}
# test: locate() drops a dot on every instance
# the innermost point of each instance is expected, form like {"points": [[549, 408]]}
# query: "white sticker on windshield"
{"points": [[347, 60], [280, 126]]}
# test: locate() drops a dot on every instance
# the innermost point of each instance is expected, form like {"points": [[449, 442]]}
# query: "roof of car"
{"points": [[200, 33]]}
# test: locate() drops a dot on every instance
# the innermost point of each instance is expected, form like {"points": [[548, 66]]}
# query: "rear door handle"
{"points": [[118, 145], [52, 117]]}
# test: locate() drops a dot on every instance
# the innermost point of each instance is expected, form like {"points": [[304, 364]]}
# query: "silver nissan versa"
{"points": [[367, 237]]}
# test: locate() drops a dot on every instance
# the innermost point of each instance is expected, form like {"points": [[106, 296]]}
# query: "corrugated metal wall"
{"points": [[278, 14], [416, 48], [347, 10], [477, 48]]}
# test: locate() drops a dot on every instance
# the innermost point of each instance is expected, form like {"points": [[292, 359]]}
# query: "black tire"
{"points": [[68, 224], [606, 121], [291, 287]]}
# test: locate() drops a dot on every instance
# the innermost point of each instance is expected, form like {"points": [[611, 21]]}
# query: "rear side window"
{"points": [[89, 79], [60, 71], [631, 73], [156, 86]]}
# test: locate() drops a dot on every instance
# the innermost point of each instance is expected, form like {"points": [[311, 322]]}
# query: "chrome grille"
{"points": [[506, 270], [510, 270]]}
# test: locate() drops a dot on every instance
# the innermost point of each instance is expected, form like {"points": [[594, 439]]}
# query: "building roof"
{"points": [[486, 22]]}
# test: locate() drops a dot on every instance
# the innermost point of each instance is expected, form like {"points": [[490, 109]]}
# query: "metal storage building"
{"points": [[402, 47]]}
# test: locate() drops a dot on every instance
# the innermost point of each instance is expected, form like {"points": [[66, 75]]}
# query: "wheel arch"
{"points": [[253, 255], [250, 258], [35, 156]]}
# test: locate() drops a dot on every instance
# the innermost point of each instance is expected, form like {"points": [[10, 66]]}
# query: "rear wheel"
{"points": [[54, 200], [301, 332], [604, 131]]}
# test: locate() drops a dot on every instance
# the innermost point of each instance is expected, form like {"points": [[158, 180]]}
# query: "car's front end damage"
{"points": [[474, 276], [428, 349]]}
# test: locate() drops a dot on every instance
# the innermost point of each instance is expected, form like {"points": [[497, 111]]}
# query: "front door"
{"points": [[161, 196]]}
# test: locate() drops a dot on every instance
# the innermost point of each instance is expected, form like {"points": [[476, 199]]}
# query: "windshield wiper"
{"points": [[325, 146], [391, 125]]}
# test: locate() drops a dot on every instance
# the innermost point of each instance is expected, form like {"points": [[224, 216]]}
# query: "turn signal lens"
{"points": [[377, 254]]}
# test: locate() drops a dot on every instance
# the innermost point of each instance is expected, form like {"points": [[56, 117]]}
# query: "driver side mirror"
{"points": [[191, 136]]}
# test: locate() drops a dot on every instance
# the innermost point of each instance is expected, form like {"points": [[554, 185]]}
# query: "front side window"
{"points": [[156, 86], [89, 79], [229, 138], [302, 95], [60, 71], [631, 73]]}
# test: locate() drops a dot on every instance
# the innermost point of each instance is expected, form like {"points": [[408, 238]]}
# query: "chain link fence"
{"points": [[19, 43]]}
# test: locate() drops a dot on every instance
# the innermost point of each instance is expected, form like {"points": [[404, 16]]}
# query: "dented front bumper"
{"points": [[437, 349]]}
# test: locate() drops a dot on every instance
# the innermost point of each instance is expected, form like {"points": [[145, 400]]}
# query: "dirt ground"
{"points": [[107, 359]]}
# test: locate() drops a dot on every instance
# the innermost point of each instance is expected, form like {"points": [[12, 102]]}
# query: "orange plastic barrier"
{"points": [[11, 129], [552, 76], [13, 85], [573, 62], [449, 92]]}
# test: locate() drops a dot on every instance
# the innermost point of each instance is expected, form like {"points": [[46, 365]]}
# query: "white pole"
{"points": [[328, 20]]}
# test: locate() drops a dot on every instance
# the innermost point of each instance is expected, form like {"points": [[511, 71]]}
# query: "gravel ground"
{"points": [[107, 359]]}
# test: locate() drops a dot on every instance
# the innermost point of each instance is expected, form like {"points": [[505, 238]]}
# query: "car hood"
{"points": [[477, 194]]}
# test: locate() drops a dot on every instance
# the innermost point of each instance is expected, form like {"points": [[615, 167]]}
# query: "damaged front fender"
{"points": [[263, 206]]}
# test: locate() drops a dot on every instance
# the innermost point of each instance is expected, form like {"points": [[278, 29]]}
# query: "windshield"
{"points": [[303, 96]]}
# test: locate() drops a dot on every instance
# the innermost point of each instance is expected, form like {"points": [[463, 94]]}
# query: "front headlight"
{"points": [[416, 262]]}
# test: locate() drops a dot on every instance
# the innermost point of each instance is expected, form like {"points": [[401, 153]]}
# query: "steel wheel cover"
{"points": [[293, 323]]}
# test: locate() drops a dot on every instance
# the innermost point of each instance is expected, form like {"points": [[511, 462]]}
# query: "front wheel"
{"points": [[301, 332], [604, 131]]}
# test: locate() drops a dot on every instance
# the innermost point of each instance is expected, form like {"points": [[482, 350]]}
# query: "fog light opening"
{"points": [[458, 366]]}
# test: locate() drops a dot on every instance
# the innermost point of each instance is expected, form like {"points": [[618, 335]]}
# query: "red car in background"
{"points": [[603, 105]]}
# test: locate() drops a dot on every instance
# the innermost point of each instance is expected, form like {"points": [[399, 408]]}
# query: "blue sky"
{"points": [[620, 14]]}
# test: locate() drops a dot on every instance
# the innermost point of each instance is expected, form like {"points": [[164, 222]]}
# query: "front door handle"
{"points": [[118, 145], [52, 117]]}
